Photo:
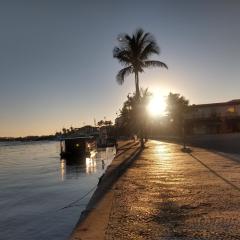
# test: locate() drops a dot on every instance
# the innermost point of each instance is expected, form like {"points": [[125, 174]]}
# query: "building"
{"points": [[119, 121], [86, 131], [213, 118]]}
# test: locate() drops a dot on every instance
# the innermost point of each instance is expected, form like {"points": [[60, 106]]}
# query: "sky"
{"points": [[57, 68]]}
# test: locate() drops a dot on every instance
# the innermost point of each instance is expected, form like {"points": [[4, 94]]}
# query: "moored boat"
{"points": [[72, 147]]}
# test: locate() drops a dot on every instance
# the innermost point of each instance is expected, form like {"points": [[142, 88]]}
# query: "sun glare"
{"points": [[157, 105]]}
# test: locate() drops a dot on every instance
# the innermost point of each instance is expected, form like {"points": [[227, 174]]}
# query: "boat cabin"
{"points": [[77, 146]]}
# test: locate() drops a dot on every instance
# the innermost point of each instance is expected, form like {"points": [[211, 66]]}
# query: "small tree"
{"points": [[134, 117], [64, 131], [100, 123], [176, 108]]}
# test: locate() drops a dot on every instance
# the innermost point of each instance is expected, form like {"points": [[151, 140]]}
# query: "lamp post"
{"points": [[184, 149], [184, 134]]}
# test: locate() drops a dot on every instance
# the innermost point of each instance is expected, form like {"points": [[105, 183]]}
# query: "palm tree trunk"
{"points": [[137, 86], [139, 117]]}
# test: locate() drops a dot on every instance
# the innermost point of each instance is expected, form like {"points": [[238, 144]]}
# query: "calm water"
{"points": [[35, 186]]}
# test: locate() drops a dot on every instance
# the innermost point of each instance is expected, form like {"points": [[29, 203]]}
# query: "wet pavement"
{"points": [[168, 194]]}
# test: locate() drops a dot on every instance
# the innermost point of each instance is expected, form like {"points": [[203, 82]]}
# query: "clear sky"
{"points": [[57, 69]]}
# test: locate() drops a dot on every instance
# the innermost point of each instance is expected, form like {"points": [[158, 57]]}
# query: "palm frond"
{"points": [[122, 56], [128, 38], [116, 51], [145, 92], [122, 37], [144, 39], [150, 48], [153, 63], [123, 73], [123, 40], [138, 34], [133, 52]]}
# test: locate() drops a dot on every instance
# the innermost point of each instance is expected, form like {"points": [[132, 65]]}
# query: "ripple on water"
{"points": [[36, 184]]}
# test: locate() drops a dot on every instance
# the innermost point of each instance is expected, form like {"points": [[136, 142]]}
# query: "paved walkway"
{"points": [[168, 194]]}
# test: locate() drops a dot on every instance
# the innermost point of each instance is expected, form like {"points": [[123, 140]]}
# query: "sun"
{"points": [[157, 105]]}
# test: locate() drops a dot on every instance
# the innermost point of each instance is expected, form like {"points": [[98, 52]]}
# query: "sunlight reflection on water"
{"points": [[91, 165]]}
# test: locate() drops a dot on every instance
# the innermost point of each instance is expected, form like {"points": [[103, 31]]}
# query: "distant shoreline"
{"points": [[29, 138]]}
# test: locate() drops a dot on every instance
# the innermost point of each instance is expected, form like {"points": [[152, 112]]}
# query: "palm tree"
{"points": [[64, 130], [133, 53]]}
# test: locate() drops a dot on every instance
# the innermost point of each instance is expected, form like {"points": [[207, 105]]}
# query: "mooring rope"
{"points": [[73, 204]]}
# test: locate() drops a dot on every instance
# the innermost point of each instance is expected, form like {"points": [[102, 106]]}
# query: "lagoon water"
{"points": [[39, 192]]}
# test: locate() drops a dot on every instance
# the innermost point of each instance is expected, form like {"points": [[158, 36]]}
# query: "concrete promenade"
{"points": [[167, 194]]}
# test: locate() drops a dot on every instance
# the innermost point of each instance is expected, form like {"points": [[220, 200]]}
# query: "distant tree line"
{"points": [[29, 138]]}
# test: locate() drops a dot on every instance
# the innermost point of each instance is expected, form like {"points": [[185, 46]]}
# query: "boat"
{"points": [[72, 147]]}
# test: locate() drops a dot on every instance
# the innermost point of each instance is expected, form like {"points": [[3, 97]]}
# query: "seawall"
{"points": [[229, 142]]}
